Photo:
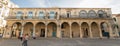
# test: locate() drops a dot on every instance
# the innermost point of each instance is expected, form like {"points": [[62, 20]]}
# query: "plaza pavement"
{"points": [[62, 42]]}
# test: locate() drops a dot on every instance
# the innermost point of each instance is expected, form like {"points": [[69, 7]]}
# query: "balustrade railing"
{"points": [[77, 16], [55, 17]]}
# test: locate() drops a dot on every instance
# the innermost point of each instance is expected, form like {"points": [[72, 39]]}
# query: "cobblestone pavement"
{"points": [[62, 42]]}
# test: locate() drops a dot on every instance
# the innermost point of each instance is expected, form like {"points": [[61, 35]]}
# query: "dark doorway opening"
{"points": [[13, 34], [85, 33], [42, 34], [105, 34]]}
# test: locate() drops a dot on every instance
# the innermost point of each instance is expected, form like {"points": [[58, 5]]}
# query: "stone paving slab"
{"points": [[62, 42]]}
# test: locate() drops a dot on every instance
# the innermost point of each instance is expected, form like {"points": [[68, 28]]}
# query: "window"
{"points": [[19, 15], [41, 15], [101, 13], [83, 14], [92, 14], [52, 15], [114, 19], [68, 15], [62, 26], [30, 15]]}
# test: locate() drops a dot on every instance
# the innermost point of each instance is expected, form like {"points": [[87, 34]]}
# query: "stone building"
{"points": [[5, 6], [116, 27], [60, 22]]}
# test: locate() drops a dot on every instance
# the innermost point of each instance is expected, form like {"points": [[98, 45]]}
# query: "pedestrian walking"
{"points": [[25, 40], [21, 37]]}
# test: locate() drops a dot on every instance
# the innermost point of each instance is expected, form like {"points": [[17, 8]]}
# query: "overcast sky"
{"points": [[114, 4]]}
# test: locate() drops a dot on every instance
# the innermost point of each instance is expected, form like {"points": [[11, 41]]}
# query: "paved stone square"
{"points": [[62, 42]]}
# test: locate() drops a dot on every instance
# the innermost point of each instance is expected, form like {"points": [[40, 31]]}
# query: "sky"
{"points": [[114, 4]]}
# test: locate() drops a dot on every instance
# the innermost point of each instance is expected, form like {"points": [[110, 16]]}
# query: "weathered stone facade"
{"points": [[116, 27], [5, 6], [59, 22]]}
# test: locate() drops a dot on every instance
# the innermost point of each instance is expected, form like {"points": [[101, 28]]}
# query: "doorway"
{"points": [[85, 32], [52, 29], [42, 34], [54, 34]]}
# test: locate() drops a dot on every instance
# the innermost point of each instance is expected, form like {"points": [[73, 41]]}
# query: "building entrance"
{"points": [[54, 34], [85, 33], [42, 34]]}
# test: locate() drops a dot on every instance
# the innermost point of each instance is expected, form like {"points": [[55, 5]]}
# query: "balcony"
{"points": [[11, 17], [52, 17], [40, 17], [87, 17], [22, 17], [28, 18]]}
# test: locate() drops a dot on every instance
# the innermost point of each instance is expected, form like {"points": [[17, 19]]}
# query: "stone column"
{"points": [[33, 31], [100, 30], [116, 32], [45, 30], [70, 31], [57, 16], [5, 31], [90, 32], [59, 31], [22, 30], [9, 32], [80, 32], [110, 31]]}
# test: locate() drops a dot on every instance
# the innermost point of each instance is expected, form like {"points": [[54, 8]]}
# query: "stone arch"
{"points": [[114, 19], [52, 29], [101, 13], [65, 29], [28, 28], [40, 29], [104, 29], [83, 14], [94, 29], [75, 29], [85, 29], [16, 24], [115, 29], [92, 14], [16, 29]]}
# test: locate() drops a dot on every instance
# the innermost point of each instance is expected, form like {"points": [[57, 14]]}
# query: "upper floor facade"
{"points": [[116, 20], [5, 6], [59, 13]]}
